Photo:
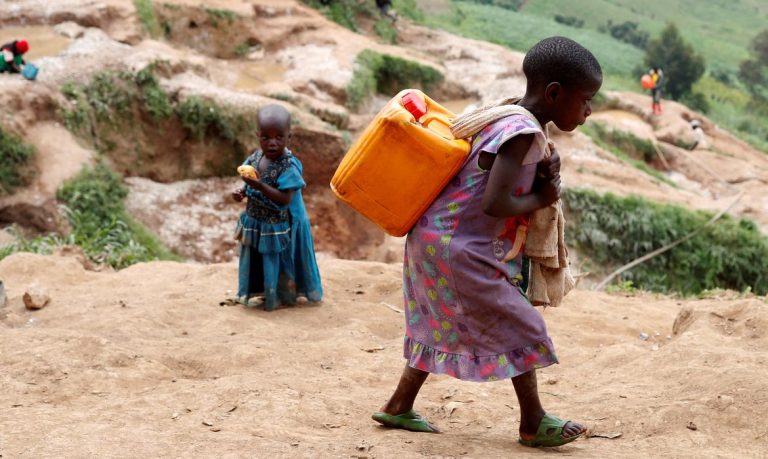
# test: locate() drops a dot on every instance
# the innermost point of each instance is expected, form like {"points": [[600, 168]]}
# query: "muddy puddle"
{"points": [[256, 74]]}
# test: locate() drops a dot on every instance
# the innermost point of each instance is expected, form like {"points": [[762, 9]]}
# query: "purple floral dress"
{"points": [[466, 315]]}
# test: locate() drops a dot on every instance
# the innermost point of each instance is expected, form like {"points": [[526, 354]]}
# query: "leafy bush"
{"points": [[611, 231], [696, 101], [146, 12], [513, 5], [345, 12], [156, 102], [677, 59], [386, 31], [387, 75], [627, 32], [95, 210], [202, 117], [242, 49], [15, 158], [215, 15], [572, 21], [110, 96], [409, 9], [42, 244]]}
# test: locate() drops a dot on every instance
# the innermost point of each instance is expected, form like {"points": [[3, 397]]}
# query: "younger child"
{"points": [[466, 314], [277, 258]]}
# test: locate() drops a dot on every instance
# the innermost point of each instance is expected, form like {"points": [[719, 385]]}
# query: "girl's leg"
{"points": [[244, 274], [531, 411], [406, 392]]}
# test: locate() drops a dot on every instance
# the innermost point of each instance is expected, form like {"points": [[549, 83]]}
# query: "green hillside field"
{"points": [[720, 30]]}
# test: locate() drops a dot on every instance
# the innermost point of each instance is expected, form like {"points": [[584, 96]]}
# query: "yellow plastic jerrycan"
{"points": [[401, 162]]}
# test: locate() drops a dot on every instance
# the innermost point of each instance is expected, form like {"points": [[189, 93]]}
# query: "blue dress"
{"points": [[307, 276], [264, 233]]}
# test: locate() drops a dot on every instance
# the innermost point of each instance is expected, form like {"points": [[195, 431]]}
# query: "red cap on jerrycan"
{"points": [[415, 105]]}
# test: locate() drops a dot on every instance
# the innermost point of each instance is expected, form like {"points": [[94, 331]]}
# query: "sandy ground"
{"points": [[145, 363]]}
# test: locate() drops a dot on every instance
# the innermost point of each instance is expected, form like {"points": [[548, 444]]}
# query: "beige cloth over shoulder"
{"points": [[550, 278]]}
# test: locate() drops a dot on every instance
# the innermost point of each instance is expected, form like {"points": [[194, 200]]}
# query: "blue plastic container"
{"points": [[29, 71]]}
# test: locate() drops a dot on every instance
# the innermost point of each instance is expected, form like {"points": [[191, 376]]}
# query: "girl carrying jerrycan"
{"points": [[467, 315]]}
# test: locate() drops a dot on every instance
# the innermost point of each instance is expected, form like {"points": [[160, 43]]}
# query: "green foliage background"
{"points": [[15, 159], [611, 231]]}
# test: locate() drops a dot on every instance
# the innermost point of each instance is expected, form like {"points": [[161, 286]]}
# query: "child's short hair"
{"points": [[274, 113], [560, 59]]}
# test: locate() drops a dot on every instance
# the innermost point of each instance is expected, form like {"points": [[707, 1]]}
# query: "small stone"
{"points": [[643, 336], [36, 298], [207, 423], [692, 426], [175, 416], [215, 429]]}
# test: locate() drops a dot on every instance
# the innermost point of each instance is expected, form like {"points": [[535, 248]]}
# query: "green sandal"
{"points": [[410, 420], [549, 433]]}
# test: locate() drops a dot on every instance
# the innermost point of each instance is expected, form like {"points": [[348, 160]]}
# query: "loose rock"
{"points": [[36, 298]]}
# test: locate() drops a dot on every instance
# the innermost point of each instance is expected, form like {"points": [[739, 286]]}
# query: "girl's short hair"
{"points": [[560, 59]]}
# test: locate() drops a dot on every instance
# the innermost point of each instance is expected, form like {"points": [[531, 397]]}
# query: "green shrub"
{"points": [[386, 31], [345, 12], [94, 202], [696, 101], [156, 102], [215, 15], [387, 75], [513, 5], [201, 117], [44, 245], [572, 21], [242, 49], [409, 9], [612, 231], [109, 94], [15, 159], [146, 12]]}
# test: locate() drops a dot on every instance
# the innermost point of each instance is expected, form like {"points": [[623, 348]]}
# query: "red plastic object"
{"points": [[415, 105], [647, 82]]}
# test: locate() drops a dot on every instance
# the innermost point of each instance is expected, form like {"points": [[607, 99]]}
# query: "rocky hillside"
{"points": [[165, 97], [239, 55]]}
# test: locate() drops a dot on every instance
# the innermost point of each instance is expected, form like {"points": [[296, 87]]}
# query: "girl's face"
{"points": [[273, 139], [574, 105]]}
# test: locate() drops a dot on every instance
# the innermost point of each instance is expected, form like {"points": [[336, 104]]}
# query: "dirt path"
{"points": [[148, 353]]}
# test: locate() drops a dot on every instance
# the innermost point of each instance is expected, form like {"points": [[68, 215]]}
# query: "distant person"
{"points": [[385, 7], [277, 258], [699, 137], [12, 60], [657, 76], [466, 314]]}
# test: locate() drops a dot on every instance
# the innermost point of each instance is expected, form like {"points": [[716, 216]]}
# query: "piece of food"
{"points": [[248, 172]]}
